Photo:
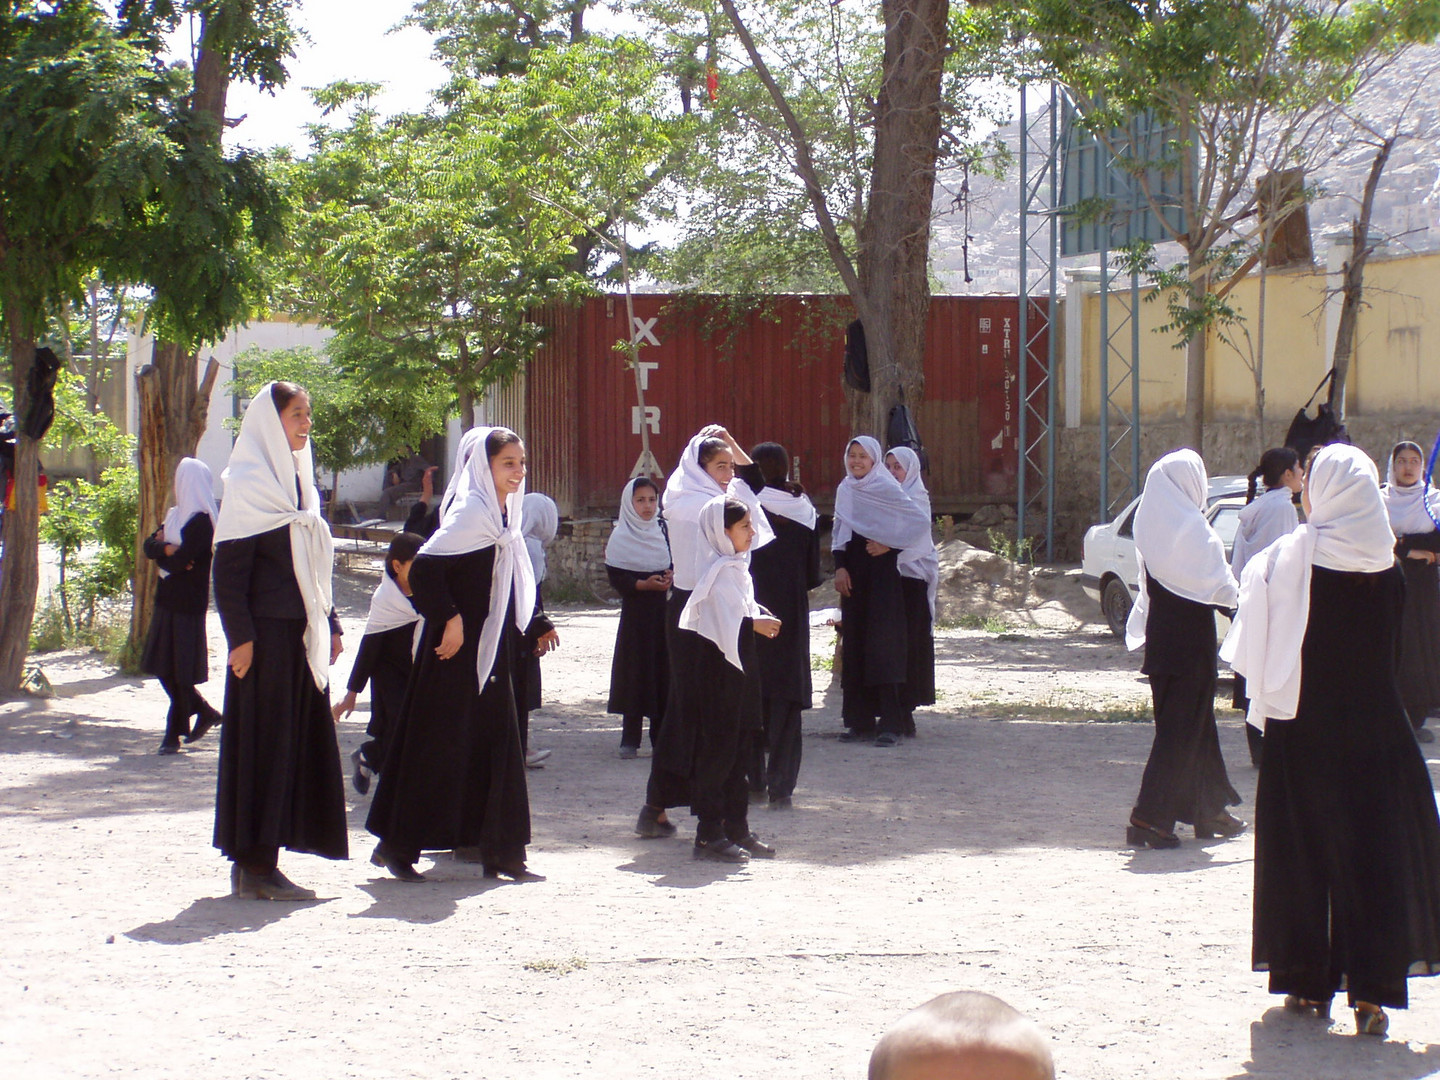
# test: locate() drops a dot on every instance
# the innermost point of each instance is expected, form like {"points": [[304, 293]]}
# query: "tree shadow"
{"points": [[1284, 1046], [215, 916]]}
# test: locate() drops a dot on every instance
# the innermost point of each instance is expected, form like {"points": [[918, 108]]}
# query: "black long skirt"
{"points": [[175, 648], [280, 783], [919, 644], [1420, 641], [640, 668], [1347, 839]]}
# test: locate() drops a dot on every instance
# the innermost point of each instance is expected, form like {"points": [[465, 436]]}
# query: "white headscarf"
{"points": [[542, 522], [796, 508], [637, 544], [1406, 505], [922, 561], [1347, 530], [390, 608], [875, 507], [260, 496], [1262, 522], [471, 520], [689, 488], [1175, 544], [194, 494], [725, 593]]}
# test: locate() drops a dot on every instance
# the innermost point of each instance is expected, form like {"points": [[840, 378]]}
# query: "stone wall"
{"points": [[576, 561]]}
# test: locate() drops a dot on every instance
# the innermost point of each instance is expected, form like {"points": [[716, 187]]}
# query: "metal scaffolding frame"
{"points": [[1119, 378], [1040, 240]]}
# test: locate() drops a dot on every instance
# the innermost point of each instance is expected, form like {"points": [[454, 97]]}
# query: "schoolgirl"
{"points": [[1184, 579], [1410, 502], [541, 524], [874, 522], [279, 777], [384, 659], [1347, 841], [454, 774], [175, 650], [637, 562], [920, 583], [705, 747], [784, 572], [1263, 521]]}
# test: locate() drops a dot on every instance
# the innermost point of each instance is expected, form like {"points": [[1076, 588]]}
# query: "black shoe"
{"points": [[271, 886], [168, 748], [1140, 835], [629, 752], [208, 718], [650, 827], [397, 866], [887, 738], [781, 802], [1225, 825], [515, 871], [361, 776], [755, 846], [851, 734], [721, 850]]}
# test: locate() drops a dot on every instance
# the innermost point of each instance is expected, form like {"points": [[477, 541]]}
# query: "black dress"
{"points": [[640, 669], [384, 661], [873, 648], [280, 783], [454, 771], [1185, 778], [1347, 841], [175, 649], [784, 571], [525, 671], [919, 646], [1420, 628]]}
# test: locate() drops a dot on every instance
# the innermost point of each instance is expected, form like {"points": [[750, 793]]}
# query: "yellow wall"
{"points": [[1396, 368]]}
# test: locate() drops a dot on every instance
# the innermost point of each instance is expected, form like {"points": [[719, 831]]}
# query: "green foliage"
{"points": [[479, 38], [1008, 548], [358, 420]]}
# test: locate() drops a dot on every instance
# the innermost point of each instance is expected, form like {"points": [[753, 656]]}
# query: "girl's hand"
{"points": [[547, 641], [767, 627], [241, 657], [842, 581], [344, 707], [874, 547], [654, 583], [337, 646], [453, 638], [1422, 556]]}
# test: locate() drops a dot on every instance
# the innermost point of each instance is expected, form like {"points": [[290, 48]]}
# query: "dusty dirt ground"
{"points": [[986, 854]]}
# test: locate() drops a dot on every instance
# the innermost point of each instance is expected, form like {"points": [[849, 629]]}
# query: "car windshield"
{"points": [[1226, 522]]}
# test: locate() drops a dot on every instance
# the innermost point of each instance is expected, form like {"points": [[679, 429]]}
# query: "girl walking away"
{"points": [[784, 572], [637, 561], [175, 650], [384, 659], [874, 522], [454, 774], [1347, 841], [704, 749], [541, 522], [1263, 521], [919, 583], [1409, 501], [1184, 581], [280, 783]]}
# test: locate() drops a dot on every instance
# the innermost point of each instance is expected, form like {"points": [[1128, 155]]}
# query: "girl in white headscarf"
{"points": [[1413, 507], [454, 772], [280, 783], [874, 522], [1184, 580], [920, 583], [637, 562], [1263, 521], [540, 525], [175, 649], [1347, 841], [704, 750]]}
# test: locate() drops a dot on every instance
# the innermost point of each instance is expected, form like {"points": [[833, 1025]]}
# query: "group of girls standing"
{"points": [[1347, 849]]}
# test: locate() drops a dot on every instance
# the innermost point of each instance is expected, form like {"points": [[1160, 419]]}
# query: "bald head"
{"points": [[966, 1035]]}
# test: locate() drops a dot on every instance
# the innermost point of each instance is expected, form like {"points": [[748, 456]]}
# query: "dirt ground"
{"points": [[987, 854]]}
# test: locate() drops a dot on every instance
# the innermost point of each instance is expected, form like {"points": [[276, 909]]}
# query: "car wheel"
{"points": [[1115, 603]]}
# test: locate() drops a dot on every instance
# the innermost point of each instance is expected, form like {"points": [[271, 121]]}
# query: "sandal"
{"points": [[1321, 1008], [1372, 1021], [1224, 825], [1140, 835]]}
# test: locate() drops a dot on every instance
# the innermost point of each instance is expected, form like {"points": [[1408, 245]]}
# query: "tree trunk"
{"points": [[20, 566], [894, 249], [1195, 357], [1351, 287], [174, 410], [466, 397]]}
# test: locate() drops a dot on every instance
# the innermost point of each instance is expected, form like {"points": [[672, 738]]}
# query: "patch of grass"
{"points": [[568, 590], [47, 632], [1008, 548], [991, 624], [106, 633], [558, 967], [822, 661]]}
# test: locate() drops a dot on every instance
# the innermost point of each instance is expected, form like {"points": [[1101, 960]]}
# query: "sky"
{"points": [[349, 39]]}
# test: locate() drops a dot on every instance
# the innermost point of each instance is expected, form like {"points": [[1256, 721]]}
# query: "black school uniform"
{"points": [[874, 648], [384, 661], [280, 783], [454, 771], [525, 671], [175, 650], [1420, 628], [640, 668], [1347, 841]]}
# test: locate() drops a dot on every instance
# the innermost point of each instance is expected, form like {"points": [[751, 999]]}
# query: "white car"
{"points": [[1110, 574]]}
